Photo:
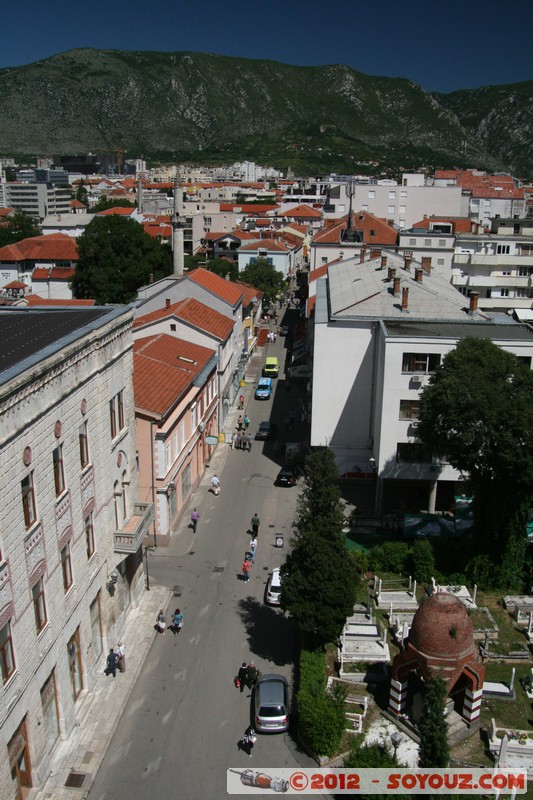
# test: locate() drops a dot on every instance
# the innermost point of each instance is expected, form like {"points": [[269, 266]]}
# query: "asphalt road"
{"points": [[178, 734]]}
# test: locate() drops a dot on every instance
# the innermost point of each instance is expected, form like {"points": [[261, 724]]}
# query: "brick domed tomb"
{"points": [[441, 643]]}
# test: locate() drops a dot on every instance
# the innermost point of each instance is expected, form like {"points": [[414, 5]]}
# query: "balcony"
{"points": [[131, 536]]}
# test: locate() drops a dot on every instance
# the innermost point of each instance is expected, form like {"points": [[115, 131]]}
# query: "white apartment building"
{"points": [[497, 265], [37, 199], [71, 529], [402, 205], [433, 239], [380, 330]]}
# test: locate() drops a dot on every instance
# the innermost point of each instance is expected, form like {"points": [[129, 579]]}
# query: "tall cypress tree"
{"points": [[434, 747]]}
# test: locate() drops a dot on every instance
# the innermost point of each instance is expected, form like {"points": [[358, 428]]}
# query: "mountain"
{"points": [[210, 108]]}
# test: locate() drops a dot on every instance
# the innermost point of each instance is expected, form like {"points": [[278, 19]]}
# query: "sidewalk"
{"points": [[99, 715]]}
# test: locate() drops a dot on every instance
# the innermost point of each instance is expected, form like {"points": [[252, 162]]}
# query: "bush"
{"points": [[389, 557], [422, 562], [321, 716]]}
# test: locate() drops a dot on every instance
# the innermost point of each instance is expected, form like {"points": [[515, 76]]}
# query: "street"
{"points": [[178, 734]]}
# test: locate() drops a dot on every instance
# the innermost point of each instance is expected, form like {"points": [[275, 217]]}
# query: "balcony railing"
{"points": [[131, 536]]}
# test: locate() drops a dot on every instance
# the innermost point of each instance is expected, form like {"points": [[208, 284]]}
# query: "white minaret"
{"points": [[140, 196], [178, 223]]}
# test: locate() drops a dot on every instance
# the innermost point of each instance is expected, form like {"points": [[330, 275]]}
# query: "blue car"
{"points": [[264, 389]]}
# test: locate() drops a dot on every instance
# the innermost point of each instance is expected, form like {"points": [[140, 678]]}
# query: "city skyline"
{"points": [[442, 48]]}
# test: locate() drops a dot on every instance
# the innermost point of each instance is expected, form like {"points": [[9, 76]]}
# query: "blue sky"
{"points": [[457, 44]]}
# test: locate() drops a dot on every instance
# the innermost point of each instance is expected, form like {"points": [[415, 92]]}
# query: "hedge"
{"points": [[321, 716]]}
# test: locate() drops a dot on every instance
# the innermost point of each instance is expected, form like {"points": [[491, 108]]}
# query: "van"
{"points": [[264, 389], [271, 368]]}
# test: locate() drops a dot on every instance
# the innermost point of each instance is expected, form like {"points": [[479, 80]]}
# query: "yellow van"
{"points": [[271, 368]]}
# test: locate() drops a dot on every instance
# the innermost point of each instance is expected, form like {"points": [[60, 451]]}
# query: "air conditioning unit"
{"points": [[416, 380]]}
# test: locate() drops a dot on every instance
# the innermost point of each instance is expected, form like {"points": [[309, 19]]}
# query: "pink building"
{"points": [[175, 387]]}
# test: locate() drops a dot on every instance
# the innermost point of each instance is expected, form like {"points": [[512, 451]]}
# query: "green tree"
{"points": [[264, 277], [220, 266], [372, 756], [434, 747], [477, 412], [81, 193], [20, 226], [116, 258], [104, 204], [320, 576], [422, 561]]}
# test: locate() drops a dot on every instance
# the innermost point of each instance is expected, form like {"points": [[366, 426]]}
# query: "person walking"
{"points": [[246, 422], [252, 548], [242, 675], [177, 621], [252, 674], [121, 657], [215, 484], [195, 516], [240, 422], [255, 523], [248, 740], [246, 565], [241, 401], [111, 661], [233, 440], [161, 622], [249, 441]]}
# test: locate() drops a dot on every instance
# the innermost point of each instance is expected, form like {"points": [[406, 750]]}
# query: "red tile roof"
{"points": [[156, 229], [123, 211], [301, 211], [52, 273], [459, 224], [375, 231], [6, 212], [52, 247], [77, 204], [319, 272], [264, 244], [249, 293], [194, 313], [248, 208], [227, 291], [35, 300], [213, 236], [164, 368], [16, 285]]}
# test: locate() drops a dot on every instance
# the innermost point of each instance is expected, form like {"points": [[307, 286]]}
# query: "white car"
{"points": [[273, 588]]}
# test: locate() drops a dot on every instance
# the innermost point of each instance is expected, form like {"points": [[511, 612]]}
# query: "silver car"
{"points": [[271, 704]]}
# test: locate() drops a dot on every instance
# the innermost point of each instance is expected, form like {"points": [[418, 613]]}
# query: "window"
{"points": [[193, 418], [392, 195], [503, 249], [116, 414], [364, 207], [182, 435], [49, 708], [39, 606], [403, 209], [525, 272], [371, 194], [403, 195], [84, 445], [28, 500], [59, 475], [506, 271], [168, 456], [7, 659], [412, 242], [440, 262], [409, 409], [173, 327], [412, 451], [89, 534], [442, 242], [176, 444], [524, 361], [66, 567], [391, 209], [503, 293], [420, 362], [427, 243], [186, 482], [96, 626]]}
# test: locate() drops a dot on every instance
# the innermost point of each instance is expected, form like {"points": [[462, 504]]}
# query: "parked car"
{"points": [[271, 699], [264, 389], [266, 430], [284, 330], [273, 588], [288, 476]]}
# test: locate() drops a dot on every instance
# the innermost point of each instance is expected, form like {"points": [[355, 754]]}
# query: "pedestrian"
{"points": [[249, 440], [240, 422], [252, 548], [233, 440], [215, 484], [111, 661], [248, 740], [252, 674], [246, 422], [238, 441], [121, 657], [242, 675], [195, 516], [241, 401], [161, 622], [255, 523], [246, 564], [177, 621]]}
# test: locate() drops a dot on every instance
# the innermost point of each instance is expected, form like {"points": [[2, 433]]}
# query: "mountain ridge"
{"points": [[200, 107]]}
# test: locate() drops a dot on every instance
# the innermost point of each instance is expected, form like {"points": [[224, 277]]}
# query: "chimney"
{"points": [[383, 261], [426, 264], [396, 288], [407, 263], [405, 298], [418, 274], [375, 253], [474, 297], [391, 273], [167, 302], [362, 254]]}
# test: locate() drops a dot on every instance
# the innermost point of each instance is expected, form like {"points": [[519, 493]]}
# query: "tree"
{"points": [[220, 266], [320, 576], [477, 412], [81, 193], [434, 747], [104, 204], [20, 226], [116, 258], [261, 274], [422, 561]]}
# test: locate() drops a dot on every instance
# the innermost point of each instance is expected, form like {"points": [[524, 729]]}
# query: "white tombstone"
{"points": [[414, 590], [474, 595], [513, 673]]}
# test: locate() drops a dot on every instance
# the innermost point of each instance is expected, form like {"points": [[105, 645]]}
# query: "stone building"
{"points": [[71, 529]]}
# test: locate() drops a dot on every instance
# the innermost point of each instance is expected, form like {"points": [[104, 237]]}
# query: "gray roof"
{"points": [[364, 290], [29, 335], [458, 330]]}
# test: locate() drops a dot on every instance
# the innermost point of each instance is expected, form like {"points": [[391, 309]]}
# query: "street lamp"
{"points": [[395, 739]]}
